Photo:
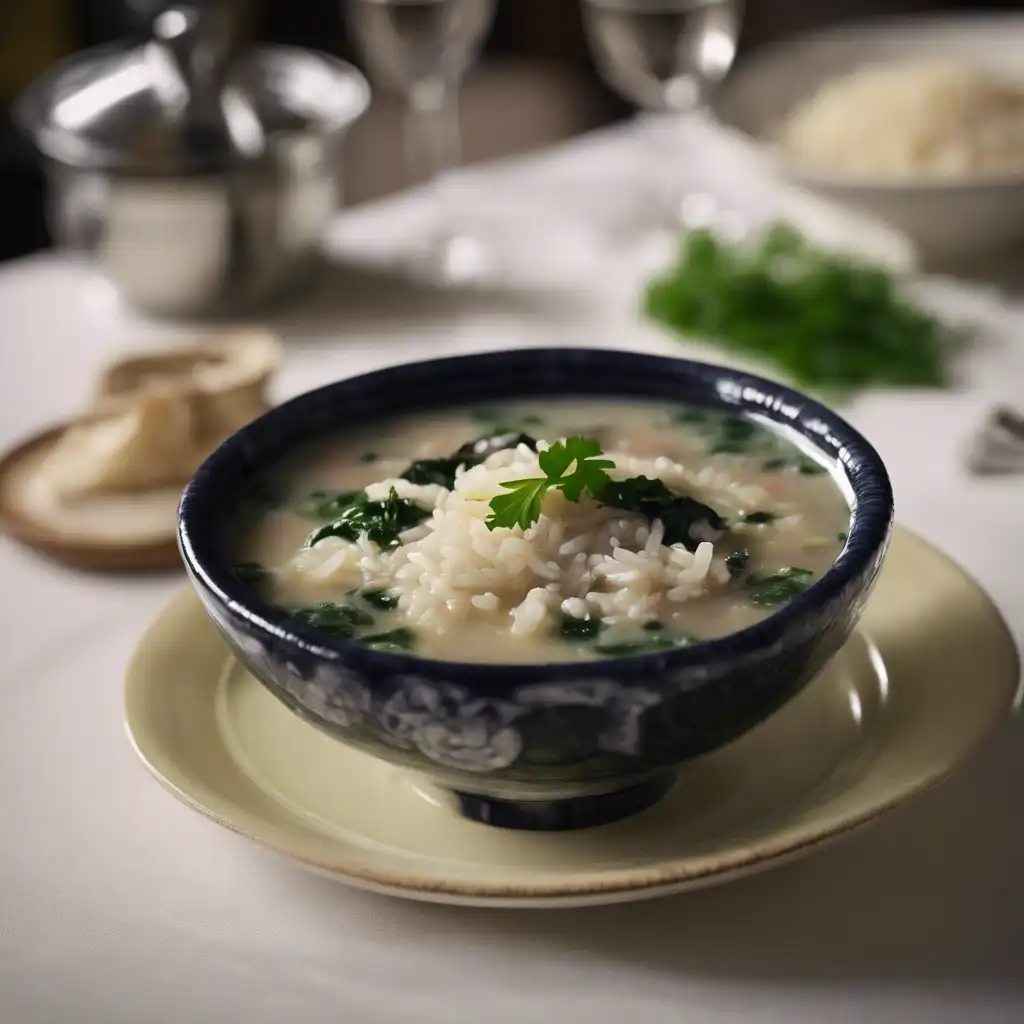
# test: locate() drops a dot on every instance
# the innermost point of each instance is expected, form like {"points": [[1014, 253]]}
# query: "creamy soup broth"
{"points": [[783, 522]]}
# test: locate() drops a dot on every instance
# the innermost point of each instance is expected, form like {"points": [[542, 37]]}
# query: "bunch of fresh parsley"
{"points": [[827, 321]]}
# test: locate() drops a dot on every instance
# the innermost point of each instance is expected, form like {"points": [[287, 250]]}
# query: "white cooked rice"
{"points": [[580, 558], [934, 118]]}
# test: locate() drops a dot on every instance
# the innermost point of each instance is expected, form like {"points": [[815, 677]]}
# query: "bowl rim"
{"points": [[768, 148], [868, 535]]}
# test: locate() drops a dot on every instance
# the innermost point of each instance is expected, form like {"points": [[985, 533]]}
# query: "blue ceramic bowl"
{"points": [[547, 745]]}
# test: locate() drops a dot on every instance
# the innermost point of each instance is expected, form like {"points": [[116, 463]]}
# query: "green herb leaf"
{"points": [[523, 506], [382, 600], [802, 464], [251, 572], [572, 628], [647, 645], [778, 588], [380, 521], [589, 473], [736, 562], [327, 504], [441, 471], [690, 417], [824, 319], [500, 439], [653, 500], [336, 619], [401, 639], [760, 518]]}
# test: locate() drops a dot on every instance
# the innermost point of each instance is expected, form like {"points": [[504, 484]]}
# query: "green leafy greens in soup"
{"points": [[610, 529]]}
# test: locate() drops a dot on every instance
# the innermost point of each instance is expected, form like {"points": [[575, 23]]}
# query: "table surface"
{"points": [[117, 904]]}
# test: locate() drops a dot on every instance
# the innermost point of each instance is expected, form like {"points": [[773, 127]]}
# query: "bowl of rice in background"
{"points": [[536, 745], [917, 122]]}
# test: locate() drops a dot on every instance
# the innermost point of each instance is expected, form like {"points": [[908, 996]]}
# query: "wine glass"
{"points": [[421, 49], [665, 56]]}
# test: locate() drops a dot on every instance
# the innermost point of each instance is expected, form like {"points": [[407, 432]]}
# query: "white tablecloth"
{"points": [[119, 905]]}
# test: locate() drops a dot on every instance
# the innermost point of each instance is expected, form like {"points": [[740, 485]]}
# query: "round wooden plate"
{"points": [[74, 549]]}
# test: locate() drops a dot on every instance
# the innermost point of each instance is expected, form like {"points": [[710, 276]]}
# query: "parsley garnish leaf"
{"points": [[522, 506]]}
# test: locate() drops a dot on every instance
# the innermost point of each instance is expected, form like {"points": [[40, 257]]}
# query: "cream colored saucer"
{"points": [[929, 675]]}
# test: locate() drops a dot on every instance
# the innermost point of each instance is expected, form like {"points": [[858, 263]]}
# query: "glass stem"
{"points": [[433, 139]]}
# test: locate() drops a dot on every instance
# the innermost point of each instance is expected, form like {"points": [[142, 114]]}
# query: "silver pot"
{"points": [[200, 176]]}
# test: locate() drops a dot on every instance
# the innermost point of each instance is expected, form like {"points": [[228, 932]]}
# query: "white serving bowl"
{"points": [[946, 221]]}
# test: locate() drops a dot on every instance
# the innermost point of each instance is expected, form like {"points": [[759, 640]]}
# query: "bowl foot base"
{"points": [[570, 813]]}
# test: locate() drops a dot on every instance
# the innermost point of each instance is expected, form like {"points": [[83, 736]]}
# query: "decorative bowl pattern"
{"points": [[536, 746]]}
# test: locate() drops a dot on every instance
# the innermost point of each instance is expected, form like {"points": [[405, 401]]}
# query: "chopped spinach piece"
{"points": [[573, 628], [760, 518], [441, 472], [728, 448], [531, 419], [336, 619], [736, 428], [736, 436], [401, 639], [779, 587], [653, 500], [801, 464], [623, 649], [327, 504], [348, 619], [369, 457], [653, 626], [382, 600], [842, 537], [474, 452], [380, 521], [736, 562], [690, 416], [251, 572], [648, 645]]}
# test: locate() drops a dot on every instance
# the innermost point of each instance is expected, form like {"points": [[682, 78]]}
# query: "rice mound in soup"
{"points": [[582, 558], [586, 579]]}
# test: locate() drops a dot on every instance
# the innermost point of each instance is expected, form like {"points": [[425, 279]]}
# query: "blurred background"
{"points": [[534, 85]]}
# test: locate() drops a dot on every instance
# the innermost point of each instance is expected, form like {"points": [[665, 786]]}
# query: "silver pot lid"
{"points": [[187, 99]]}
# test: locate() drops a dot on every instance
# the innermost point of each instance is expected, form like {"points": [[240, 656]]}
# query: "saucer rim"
{"points": [[671, 876]]}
